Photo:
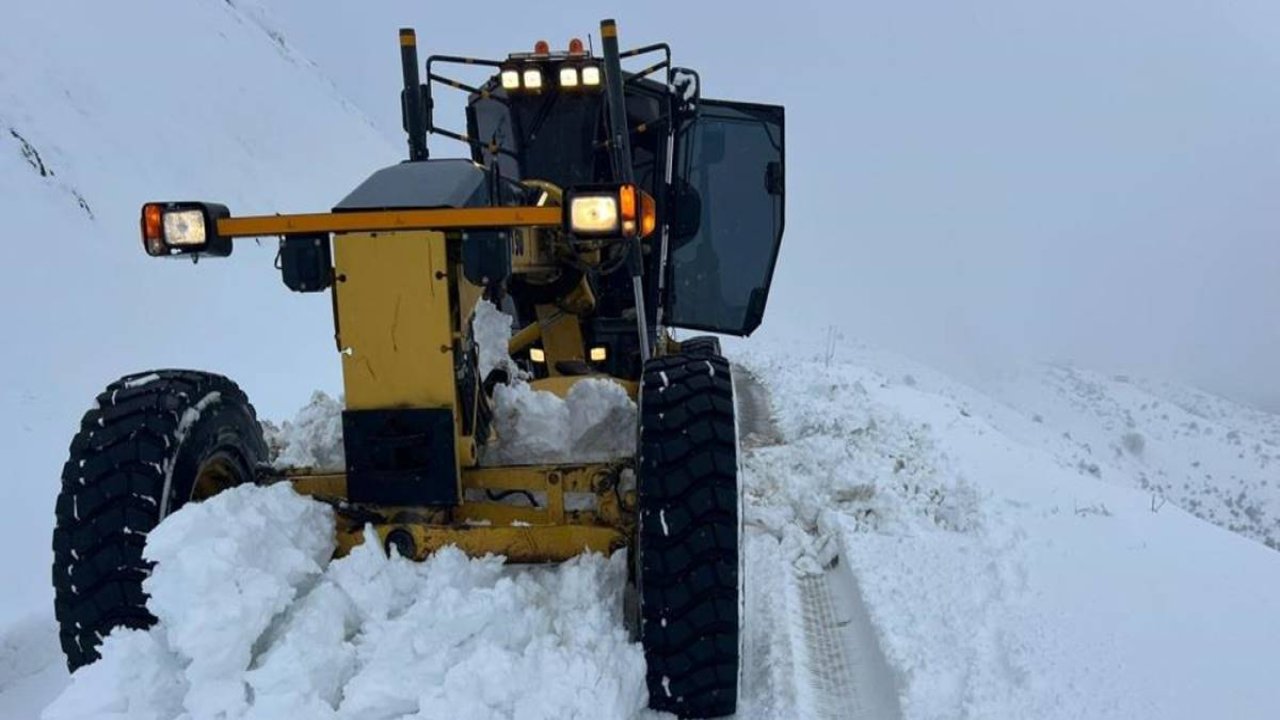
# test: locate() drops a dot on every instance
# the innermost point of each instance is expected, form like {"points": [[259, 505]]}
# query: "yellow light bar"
{"points": [[390, 220]]}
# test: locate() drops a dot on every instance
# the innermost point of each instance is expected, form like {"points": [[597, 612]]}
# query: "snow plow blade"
{"points": [[539, 530]]}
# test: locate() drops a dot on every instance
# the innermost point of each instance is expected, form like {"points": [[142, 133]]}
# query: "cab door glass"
{"points": [[731, 158]]}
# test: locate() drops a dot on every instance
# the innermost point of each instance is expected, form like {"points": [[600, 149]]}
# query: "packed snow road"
{"points": [[805, 621]]}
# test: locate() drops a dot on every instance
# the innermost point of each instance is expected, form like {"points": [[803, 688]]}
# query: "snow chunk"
{"points": [[491, 332], [255, 622], [313, 439], [141, 380], [596, 421]]}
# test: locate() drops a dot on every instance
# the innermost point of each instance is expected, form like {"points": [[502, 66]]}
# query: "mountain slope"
{"points": [[104, 106]]}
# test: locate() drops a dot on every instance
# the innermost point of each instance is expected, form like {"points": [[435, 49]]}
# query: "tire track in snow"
{"points": [[839, 670]]}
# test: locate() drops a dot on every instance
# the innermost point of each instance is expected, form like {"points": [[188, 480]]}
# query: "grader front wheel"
{"points": [[189, 433], [687, 569]]}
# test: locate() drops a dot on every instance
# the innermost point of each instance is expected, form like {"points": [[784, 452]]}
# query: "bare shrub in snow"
{"points": [[1133, 442]]}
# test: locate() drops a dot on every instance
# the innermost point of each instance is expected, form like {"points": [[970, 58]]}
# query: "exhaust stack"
{"points": [[413, 105]]}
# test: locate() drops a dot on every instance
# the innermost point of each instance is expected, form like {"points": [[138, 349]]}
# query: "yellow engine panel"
{"points": [[394, 320]]}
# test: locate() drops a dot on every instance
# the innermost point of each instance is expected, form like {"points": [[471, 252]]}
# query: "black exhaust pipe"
{"points": [[620, 143], [620, 134], [413, 110]]}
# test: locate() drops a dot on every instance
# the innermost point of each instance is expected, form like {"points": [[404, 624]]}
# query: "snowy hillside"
{"points": [[104, 106], [1000, 578], [910, 554], [1207, 455]]}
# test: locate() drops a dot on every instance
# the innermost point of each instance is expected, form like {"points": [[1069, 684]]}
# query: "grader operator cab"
{"points": [[601, 207]]}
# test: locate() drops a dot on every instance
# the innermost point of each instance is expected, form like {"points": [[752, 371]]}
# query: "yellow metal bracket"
{"points": [[389, 220]]}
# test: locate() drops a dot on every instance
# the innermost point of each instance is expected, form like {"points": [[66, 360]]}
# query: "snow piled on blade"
{"points": [[313, 439], [595, 421], [256, 622]]}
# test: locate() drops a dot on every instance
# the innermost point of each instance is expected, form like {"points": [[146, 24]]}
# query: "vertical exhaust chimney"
{"points": [[413, 110]]}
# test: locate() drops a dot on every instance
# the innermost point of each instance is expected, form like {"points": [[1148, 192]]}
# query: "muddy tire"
{"points": [[687, 546], [189, 433]]}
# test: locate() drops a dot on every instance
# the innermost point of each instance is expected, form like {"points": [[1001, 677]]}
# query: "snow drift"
{"points": [[256, 622]]}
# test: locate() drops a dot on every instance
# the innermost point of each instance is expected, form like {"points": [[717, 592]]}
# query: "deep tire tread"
{"points": [[110, 496], [687, 564]]}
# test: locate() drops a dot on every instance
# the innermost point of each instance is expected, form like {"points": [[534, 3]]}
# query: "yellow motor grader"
{"points": [[600, 207]]}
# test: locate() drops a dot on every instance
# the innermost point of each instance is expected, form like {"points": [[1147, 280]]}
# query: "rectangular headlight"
{"points": [[593, 214], [591, 75], [184, 228]]}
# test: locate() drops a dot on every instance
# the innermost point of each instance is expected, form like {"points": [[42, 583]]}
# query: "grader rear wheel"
{"points": [[688, 543], [189, 433]]}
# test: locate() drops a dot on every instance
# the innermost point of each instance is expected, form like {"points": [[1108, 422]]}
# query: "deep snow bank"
{"points": [[255, 622], [1003, 579]]}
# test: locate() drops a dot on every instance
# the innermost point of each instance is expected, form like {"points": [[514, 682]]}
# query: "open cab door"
{"points": [[718, 276]]}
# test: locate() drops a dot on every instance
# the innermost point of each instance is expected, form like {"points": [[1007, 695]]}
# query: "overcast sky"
{"points": [[968, 182]]}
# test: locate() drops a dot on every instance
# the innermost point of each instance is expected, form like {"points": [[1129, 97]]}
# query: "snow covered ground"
{"points": [[911, 552]]}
